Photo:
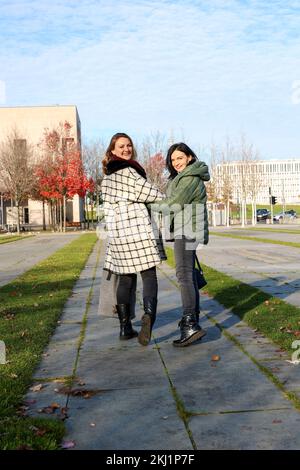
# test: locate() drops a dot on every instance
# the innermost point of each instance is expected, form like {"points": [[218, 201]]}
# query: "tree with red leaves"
{"points": [[60, 173], [155, 168]]}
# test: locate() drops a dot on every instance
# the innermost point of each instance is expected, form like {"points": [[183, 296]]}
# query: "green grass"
{"points": [[256, 239], [30, 307], [13, 238], [265, 229], [273, 317], [276, 209]]}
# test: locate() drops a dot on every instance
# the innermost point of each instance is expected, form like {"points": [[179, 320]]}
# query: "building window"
{"points": [[67, 144]]}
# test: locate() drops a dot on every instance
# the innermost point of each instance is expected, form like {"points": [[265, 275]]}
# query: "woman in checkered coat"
{"points": [[132, 246]]}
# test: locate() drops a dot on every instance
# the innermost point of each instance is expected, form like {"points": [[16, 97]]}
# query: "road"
{"points": [[275, 269], [17, 257]]}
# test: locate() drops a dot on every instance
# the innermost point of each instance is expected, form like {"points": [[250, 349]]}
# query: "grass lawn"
{"points": [[273, 317], [255, 239], [277, 208], [30, 307], [13, 238], [268, 228]]}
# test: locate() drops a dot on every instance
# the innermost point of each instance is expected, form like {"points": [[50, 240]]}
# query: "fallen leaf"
{"points": [[29, 402], [55, 406], [68, 444], [41, 432], [297, 333], [215, 357], [276, 421], [63, 412], [36, 388]]}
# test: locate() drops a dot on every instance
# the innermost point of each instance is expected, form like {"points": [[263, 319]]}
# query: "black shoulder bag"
{"points": [[200, 279]]}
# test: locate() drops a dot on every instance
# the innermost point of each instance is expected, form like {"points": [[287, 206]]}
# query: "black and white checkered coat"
{"points": [[132, 246]]}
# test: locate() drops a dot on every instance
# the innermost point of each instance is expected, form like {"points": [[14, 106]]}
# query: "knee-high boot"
{"points": [[148, 319], [190, 330], [126, 330]]}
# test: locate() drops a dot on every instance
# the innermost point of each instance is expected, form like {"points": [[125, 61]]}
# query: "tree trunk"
{"points": [[87, 218], [65, 212], [44, 216], [228, 214], [18, 217], [92, 209], [243, 213]]}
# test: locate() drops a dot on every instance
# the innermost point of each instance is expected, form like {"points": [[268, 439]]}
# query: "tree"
{"points": [[93, 153], [16, 168], [61, 173], [213, 185], [155, 168]]}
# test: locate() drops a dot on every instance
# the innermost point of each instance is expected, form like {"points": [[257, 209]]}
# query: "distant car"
{"points": [[290, 214], [262, 214]]}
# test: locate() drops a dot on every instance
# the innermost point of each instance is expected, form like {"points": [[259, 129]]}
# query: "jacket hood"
{"points": [[196, 169]]}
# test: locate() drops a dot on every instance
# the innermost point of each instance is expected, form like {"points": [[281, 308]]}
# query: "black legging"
{"points": [[149, 279]]}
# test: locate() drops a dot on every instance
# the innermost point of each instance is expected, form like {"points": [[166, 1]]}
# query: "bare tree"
{"points": [[16, 169], [152, 144], [213, 185], [93, 153], [250, 178], [227, 154]]}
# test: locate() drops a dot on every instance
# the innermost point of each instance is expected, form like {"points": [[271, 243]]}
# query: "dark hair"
{"points": [[109, 155], [182, 147]]}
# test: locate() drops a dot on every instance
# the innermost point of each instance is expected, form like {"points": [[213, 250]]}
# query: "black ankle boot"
{"points": [[148, 319], [190, 331], [126, 330]]}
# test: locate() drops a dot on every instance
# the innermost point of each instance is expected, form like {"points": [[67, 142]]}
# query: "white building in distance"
{"points": [[256, 177]]}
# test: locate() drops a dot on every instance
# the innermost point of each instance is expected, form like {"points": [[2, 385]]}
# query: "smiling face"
{"points": [[180, 160], [123, 148]]}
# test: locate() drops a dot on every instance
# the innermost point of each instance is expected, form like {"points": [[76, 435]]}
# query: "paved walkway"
{"points": [[126, 396], [275, 269], [17, 257]]}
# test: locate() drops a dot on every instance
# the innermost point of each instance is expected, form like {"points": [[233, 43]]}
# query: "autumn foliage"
{"points": [[60, 172]]}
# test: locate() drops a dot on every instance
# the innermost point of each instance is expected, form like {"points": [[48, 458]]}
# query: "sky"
{"points": [[194, 70]]}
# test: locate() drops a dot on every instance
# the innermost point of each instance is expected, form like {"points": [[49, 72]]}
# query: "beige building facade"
{"points": [[31, 122]]}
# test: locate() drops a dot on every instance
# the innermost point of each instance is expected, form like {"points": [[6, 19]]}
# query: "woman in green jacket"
{"points": [[186, 206]]}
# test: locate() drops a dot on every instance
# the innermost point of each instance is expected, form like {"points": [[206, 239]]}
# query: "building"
{"points": [[281, 178], [31, 122]]}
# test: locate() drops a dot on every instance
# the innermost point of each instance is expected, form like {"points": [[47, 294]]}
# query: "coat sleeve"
{"points": [[183, 195], [144, 191]]}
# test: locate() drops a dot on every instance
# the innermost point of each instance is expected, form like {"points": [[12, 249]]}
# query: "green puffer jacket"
{"points": [[184, 208]]}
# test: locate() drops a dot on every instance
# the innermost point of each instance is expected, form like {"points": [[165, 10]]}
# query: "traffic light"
{"points": [[273, 200]]}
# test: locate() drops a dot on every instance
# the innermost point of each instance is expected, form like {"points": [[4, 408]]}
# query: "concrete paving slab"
{"points": [[272, 430], [272, 268], [18, 257], [58, 360], [128, 419]]}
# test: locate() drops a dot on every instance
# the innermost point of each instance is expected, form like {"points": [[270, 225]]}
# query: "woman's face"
{"points": [[180, 160], [123, 148]]}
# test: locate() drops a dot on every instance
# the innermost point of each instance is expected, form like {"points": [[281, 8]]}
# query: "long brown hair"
{"points": [[109, 155]]}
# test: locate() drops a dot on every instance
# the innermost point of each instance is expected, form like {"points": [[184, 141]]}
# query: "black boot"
{"points": [[148, 319], [190, 331], [126, 330]]}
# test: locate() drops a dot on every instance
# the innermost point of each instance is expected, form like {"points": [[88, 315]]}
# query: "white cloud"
{"points": [[206, 68]]}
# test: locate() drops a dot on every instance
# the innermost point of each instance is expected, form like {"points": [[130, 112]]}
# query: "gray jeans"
{"points": [[185, 253]]}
